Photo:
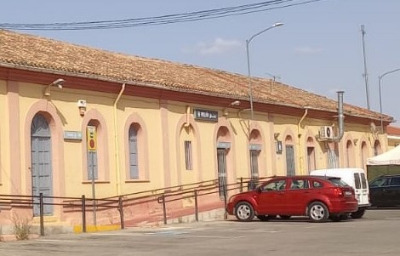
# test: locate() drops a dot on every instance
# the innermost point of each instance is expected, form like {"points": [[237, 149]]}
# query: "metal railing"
{"points": [[161, 196]]}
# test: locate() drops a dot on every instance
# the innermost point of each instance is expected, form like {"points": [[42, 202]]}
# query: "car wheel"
{"points": [[318, 212], [285, 217], [244, 211], [358, 214]]}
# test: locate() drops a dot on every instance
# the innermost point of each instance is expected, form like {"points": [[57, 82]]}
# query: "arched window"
{"points": [[255, 150], [223, 149], [133, 152], [290, 158], [91, 134], [136, 149], [311, 162], [96, 160], [377, 148], [350, 154], [364, 154]]}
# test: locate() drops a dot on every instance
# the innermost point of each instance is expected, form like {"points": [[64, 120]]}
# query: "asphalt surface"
{"points": [[377, 233]]}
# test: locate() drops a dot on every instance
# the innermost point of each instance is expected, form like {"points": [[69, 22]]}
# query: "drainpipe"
{"points": [[340, 117], [298, 138], [301, 120], [116, 144]]}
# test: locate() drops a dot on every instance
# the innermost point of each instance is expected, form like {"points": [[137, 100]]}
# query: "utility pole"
{"points": [[365, 66]]}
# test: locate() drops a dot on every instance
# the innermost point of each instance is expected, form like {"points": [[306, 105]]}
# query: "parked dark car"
{"points": [[385, 191], [317, 197]]}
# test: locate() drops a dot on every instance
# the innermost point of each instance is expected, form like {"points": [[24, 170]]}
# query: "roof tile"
{"points": [[28, 51]]}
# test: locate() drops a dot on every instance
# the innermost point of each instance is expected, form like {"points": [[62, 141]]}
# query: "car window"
{"points": [[363, 180], [379, 182], [275, 185], [395, 181], [357, 181], [299, 184], [338, 182], [317, 184]]}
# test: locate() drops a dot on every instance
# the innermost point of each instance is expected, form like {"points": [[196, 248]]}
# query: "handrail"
{"points": [[163, 195], [167, 189]]}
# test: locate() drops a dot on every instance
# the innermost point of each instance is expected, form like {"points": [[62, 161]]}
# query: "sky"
{"points": [[320, 47]]}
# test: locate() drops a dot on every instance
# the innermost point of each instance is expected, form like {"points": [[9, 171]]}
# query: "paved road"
{"points": [[378, 233]]}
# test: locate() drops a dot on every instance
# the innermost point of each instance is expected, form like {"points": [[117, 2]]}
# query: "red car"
{"points": [[319, 198]]}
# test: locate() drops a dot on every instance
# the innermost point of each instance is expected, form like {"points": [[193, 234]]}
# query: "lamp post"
{"points": [[248, 64], [380, 91]]}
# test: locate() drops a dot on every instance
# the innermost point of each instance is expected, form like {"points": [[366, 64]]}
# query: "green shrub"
{"points": [[22, 228]]}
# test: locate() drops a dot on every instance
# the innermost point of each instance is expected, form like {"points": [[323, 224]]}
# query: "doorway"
{"points": [[42, 180]]}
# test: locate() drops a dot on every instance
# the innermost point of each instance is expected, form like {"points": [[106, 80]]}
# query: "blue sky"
{"points": [[319, 49]]}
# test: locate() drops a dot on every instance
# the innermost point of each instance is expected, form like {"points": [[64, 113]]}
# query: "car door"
{"points": [[377, 191], [297, 196], [392, 192], [364, 195], [271, 199]]}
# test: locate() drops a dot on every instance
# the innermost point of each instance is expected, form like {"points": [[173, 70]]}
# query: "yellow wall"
{"points": [[4, 144], [165, 125]]}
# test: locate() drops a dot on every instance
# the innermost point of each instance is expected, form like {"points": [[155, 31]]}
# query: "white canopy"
{"points": [[391, 157]]}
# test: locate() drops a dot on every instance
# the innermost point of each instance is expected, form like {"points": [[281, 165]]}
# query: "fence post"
{"points": [[121, 211], [225, 203], [196, 207], [41, 209], [164, 209], [83, 214]]}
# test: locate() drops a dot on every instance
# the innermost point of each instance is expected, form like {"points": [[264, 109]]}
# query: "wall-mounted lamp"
{"points": [[355, 142], [235, 103], [279, 147], [82, 107], [276, 135], [59, 83]]}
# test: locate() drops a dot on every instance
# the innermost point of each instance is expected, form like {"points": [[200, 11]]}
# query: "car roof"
{"points": [[389, 175], [303, 177]]}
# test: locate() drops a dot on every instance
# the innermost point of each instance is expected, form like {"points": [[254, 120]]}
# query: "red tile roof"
{"points": [[392, 130], [23, 51]]}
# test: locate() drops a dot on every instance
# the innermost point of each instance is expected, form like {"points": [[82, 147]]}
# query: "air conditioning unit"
{"points": [[326, 132]]}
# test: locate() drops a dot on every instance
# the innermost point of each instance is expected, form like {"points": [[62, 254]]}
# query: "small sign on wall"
{"points": [[91, 138], [72, 135], [205, 115]]}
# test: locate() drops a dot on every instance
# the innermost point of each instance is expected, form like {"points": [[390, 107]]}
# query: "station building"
{"points": [[72, 115]]}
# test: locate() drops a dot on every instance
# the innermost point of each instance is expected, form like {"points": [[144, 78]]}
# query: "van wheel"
{"points": [[318, 212], [244, 211], [358, 214]]}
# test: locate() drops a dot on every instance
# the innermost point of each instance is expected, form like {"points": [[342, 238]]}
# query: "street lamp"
{"points": [[248, 64], [380, 91]]}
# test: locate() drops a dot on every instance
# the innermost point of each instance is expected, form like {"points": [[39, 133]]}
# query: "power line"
{"points": [[161, 20]]}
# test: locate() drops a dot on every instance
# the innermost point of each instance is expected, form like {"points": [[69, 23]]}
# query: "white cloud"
{"points": [[218, 46], [308, 50]]}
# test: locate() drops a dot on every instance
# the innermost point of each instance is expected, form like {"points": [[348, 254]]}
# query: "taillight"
{"points": [[341, 192], [338, 192]]}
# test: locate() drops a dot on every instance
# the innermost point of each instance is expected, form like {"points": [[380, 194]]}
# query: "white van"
{"points": [[354, 177]]}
